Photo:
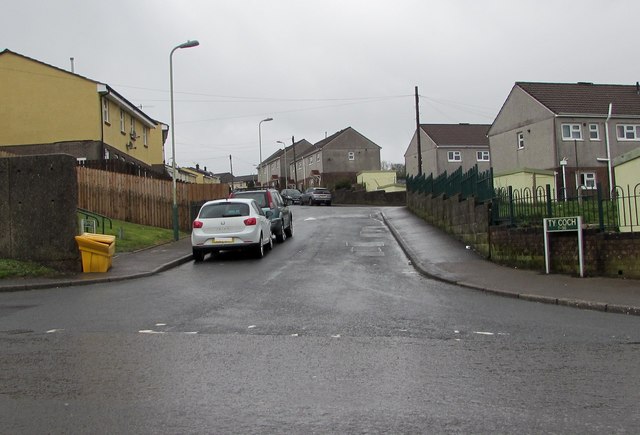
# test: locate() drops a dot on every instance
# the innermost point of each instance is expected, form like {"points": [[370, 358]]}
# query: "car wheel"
{"points": [[289, 231], [259, 250], [281, 235], [270, 244], [198, 255], [329, 203]]}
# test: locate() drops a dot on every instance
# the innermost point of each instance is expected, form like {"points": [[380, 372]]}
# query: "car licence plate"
{"points": [[218, 240]]}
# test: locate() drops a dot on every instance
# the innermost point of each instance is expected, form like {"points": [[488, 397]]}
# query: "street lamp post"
{"points": [[260, 144], [187, 44]]}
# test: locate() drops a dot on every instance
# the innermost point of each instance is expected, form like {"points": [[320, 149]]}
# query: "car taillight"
{"points": [[269, 200], [250, 221], [197, 224]]}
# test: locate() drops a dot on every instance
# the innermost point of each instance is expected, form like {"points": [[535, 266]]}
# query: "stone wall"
{"points": [[463, 219], [38, 216], [361, 197], [605, 254]]}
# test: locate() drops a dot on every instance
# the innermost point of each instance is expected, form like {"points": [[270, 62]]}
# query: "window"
{"points": [[628, 131], [310, 160], [122, 120], [594, 132], [588, 180], [351, 156], [454, 156], [145, 136], [133, 127], [571, 132], [106, 154], [520, 140], [318, 157], [105, 110], [482, 156]]}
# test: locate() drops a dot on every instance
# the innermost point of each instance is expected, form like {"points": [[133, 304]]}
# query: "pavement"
{"points": [[431, 251]]}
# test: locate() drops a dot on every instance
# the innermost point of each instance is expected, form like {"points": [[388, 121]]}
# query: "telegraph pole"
{"points": [[295, 164], [231, 166], [418, 132]]}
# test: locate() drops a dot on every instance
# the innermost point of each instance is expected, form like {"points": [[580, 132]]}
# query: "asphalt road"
{"points": [[332, 332]]}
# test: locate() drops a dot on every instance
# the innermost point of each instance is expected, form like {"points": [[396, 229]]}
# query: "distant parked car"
{"points": [[229, 224], [291, 196], [271, 201], [316, 196]]}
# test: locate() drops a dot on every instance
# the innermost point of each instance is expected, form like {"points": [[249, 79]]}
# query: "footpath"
{"points": [[431, 251]]}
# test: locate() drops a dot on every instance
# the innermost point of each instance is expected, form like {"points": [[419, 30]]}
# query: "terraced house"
{"points": [[564, 134], [48, 110]]}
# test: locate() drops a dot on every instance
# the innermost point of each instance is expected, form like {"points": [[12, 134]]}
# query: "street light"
{"points": [[260, 143], [187, 44], [286, 168]]}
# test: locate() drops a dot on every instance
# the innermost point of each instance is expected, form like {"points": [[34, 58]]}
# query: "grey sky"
{"points": [[317, 66]]}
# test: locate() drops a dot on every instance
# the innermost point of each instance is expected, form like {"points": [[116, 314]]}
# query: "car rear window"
{"points": [[260, 197], [222, 210], [321, 191]]}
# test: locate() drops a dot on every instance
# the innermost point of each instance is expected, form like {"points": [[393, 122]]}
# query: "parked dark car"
{"points": [[291, 196], [270, 200], [316, 196]]}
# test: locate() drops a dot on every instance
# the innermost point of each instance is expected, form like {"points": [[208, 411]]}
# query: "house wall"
{"points": [[627, 174], [373, 180], [524, 180], [41, 104], [152, 154], [334, 157], [48, 110]]}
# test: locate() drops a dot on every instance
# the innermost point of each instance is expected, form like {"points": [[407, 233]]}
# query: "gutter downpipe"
{"points": [[606, 137]]}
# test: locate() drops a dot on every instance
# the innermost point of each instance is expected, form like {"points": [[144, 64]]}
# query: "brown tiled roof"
{"points": [[585, 98], [457, 134]]}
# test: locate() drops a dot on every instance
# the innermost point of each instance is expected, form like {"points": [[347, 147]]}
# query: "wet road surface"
{"points": [[332, 332]]}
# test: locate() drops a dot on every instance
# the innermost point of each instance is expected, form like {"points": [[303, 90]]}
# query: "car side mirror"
{"points": [[269, 214]]}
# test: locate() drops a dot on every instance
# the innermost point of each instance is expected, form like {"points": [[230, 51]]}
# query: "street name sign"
{"points": [[555, 225]]}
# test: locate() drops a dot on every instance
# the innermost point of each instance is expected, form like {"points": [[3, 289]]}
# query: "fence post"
{"points": [[512, 217], [600, 210], [549, 209]]}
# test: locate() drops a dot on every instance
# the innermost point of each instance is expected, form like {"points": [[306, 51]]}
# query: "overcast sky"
{"points": [[318, 66]]}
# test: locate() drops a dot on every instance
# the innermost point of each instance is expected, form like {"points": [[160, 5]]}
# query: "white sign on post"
{"points": [[554, 225]]}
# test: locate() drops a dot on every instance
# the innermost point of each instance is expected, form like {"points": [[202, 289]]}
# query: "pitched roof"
{"points": [[457, 134], [585, 98]]}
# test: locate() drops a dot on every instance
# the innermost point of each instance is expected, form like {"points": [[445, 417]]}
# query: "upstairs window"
{"points": [[351, 156], [520, 140], [310, 160], [454, 156], [105, 110], [571, 132], [133, 128], [318, 157], [122, 121], [594, 132], [628, 131], [482, 156], [145, 136]]}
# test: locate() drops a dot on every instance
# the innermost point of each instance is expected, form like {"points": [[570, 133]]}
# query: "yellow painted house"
{"points": [[627, 170], [380, 180], [47, 110]]}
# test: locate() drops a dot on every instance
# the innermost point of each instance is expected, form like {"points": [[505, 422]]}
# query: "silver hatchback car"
{"points": [[229, 224]]}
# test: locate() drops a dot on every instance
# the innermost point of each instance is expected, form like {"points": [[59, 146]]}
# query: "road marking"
{"points": [[310, 219], [150, 331], [51, 331]]}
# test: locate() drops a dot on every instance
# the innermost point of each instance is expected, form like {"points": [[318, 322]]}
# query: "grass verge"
{"points": [[129, 237]]}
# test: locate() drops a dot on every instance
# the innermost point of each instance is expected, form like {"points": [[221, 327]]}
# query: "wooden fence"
{"points": [[141, 200]]}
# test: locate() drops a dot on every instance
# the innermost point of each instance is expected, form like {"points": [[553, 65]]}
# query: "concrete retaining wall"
{"points": [[38, 218], [361, 197]]}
